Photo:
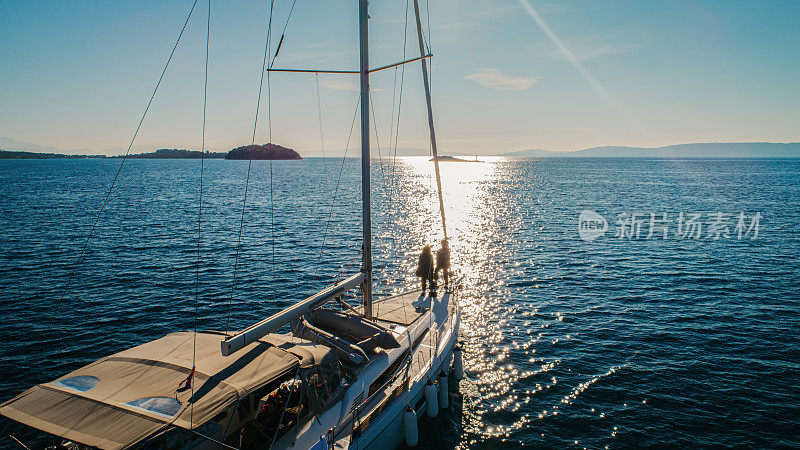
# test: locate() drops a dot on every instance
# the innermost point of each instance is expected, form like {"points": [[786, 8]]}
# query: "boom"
{"points": [[254, 332]]}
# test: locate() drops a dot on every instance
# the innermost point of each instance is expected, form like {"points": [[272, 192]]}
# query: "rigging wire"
{"points": [[377, 140], [394, 132], [269, 121], [200, 217], [388, 179], [429, 43], [271, 176], [336, 189], [283, 34], [399, 107], [321, 132], [383, 177], [122, 163], [393, 159], [428, 13], [285, 407], [389, 172], [249, 167]]}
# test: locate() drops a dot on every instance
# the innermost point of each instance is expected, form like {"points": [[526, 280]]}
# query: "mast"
{"points": [[239, 340], [366, 267], [430, 116]]}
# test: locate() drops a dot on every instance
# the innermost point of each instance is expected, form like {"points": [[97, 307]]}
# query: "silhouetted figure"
{"points": [[425, 267], [443, 262]]}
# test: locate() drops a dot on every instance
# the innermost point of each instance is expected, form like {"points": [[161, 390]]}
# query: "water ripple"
{"points": [[568, 344]]}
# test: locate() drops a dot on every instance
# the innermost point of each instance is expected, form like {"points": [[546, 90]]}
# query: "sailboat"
{"points": [[345, 376]]}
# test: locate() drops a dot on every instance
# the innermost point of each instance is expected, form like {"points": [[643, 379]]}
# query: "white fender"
{"points": [[443, 394], [410, 425], [458, 365], [430, 399]]}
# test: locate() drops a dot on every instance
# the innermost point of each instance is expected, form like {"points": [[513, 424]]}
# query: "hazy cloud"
{"points": [[493, 78], [582, 51], [345, 85], [339, 85]]}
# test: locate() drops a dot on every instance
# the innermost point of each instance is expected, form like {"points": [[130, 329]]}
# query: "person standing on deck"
{"points": [[425, 267], [443, 262]]}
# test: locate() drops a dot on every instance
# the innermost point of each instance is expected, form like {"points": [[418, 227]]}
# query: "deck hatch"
{"points": [[167, 406], [81, 383]]}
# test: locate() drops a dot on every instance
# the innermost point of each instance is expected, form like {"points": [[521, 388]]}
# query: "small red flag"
{"points": [[187, 383]]}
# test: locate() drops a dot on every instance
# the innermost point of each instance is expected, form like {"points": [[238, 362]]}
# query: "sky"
{"points": [[507, 75]]}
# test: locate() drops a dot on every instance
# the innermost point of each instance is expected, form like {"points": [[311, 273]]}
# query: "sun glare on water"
{"points": [[472, 208]]}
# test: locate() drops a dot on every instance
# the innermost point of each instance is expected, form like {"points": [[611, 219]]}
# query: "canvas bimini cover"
{"points": [[118, 401]]}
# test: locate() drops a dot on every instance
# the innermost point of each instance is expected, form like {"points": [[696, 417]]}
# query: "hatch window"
{"points": [[167, 406], [81, 383]]}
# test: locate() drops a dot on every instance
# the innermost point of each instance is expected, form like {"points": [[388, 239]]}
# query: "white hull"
{"points": [[388, 432], [385, 429]]}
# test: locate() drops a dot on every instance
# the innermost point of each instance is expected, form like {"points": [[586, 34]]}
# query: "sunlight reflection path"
{"points": [[494, 242]]}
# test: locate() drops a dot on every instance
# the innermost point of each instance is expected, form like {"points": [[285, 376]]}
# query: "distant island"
{"points": [[6, 154], [259, 152], [174, 153], [447, 158], [699, 150], [256, 152], [262, 152]]}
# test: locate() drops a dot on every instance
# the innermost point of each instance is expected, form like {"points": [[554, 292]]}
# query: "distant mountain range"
{"points": [[255, 152], [700, 150], [39, 155], [9, 144], [25, 150], [383, 153], [174, 153], [15, 149]]}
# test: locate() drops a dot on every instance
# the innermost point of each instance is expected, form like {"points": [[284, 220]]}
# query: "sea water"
{"points": [[595, 315]]}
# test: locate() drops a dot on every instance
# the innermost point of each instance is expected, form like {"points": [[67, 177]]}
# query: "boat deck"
{"points": [[399, 309], [430, 355]]}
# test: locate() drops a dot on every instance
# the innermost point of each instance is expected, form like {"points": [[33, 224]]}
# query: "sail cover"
{"points": [[119, 400]]}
